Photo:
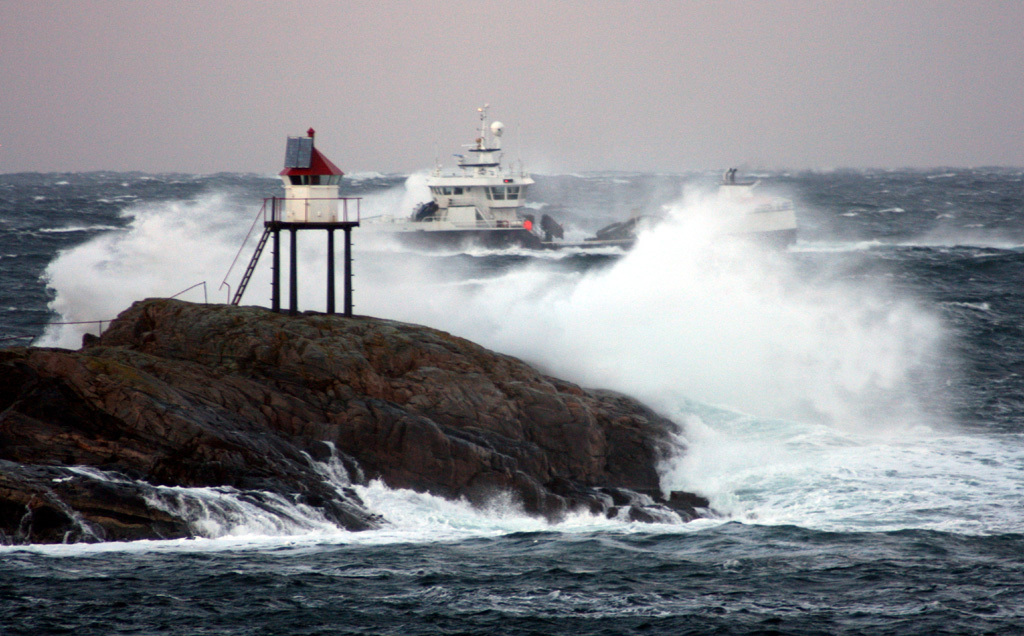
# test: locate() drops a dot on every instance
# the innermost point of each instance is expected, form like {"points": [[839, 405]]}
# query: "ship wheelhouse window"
{"points": [[458, 190], [496, 193], [513, 192]]}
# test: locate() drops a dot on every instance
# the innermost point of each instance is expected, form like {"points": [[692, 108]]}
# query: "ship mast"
{"points": [[481, 140]]}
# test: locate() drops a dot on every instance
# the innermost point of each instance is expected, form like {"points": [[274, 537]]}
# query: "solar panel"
{"points": [[299, 152]]}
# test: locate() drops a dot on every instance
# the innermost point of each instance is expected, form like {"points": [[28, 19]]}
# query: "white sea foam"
{"points": [[836, 246], [226, 519], [800, 394], [78, 228], [826, 372], [767, 472], [683, 316], [976, 306], [165, 248], [398, 201], [974, 235], [223, 511]]}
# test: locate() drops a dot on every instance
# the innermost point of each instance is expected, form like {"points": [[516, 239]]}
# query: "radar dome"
{"points": [[497, 128]]}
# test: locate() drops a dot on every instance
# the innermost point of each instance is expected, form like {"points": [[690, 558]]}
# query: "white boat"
{"points": [[480, 204], [763, 219], [767, 219]]}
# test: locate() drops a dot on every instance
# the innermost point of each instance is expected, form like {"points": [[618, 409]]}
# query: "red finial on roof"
{"points": [[310, 133]]}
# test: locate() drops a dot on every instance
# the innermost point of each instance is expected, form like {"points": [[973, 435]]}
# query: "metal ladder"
{"points": [[252, 266]]}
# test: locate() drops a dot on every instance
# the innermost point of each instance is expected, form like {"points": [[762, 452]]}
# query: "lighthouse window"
{"points": [[315, 179]]}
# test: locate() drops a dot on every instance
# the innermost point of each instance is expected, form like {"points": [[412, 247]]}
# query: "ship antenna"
{"points": [[483, 122]]}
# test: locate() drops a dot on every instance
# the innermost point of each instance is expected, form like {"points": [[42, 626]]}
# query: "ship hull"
{"points": [[775, 239], [780, 239], [499, 238]]}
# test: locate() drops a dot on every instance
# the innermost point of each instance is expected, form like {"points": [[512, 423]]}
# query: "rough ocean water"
{"points": [[853, 407]]}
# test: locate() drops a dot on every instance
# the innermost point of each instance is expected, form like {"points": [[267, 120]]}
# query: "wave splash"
{"points": [[688, 316], [797, 380], [166, 248]]}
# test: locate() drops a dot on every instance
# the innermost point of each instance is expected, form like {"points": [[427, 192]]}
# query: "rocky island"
{"points": [[106, 443]]}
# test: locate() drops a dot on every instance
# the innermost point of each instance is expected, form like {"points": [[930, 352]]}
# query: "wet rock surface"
{"points": [[99, 443]]}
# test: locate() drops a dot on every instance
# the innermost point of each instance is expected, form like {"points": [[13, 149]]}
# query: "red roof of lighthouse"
{"points": [[318, 164]]}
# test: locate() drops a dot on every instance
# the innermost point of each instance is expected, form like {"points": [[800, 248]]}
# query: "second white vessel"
{"points": [[762, 219]]}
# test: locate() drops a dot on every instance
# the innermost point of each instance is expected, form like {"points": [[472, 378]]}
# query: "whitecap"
{"points": [[79, 228]]}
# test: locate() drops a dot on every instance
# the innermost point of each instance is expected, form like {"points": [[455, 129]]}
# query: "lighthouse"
{"points": [[311, 202], [310, 183]]}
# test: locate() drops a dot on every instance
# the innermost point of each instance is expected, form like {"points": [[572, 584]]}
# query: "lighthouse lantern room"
{"points": [[310, 183]]}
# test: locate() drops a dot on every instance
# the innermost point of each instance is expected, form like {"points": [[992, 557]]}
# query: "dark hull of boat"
{"points": [[507, 238], [489, 239], [777, 239]]}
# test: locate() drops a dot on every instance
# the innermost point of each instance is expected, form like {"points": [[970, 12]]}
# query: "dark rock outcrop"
{"points": [[99, 443]]}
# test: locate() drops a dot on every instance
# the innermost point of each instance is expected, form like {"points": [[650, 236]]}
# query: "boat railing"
{"points": [[312, 210], [491, 171]]}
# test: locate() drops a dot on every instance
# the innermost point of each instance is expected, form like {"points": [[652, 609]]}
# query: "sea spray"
{"points": [[688, 314], [166, 248], [685, 321], [820, 375], [169, 246], [214, 512], [777, 472], [820, 518]]}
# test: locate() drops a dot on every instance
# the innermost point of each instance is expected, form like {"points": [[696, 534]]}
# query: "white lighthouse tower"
{"points": [[310, 183]]}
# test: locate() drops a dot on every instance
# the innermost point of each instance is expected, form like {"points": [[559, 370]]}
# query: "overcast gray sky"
{"points": [[216, 85]]}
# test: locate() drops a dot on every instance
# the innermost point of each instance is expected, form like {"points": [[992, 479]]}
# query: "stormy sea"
{"points": [[853, 408]]}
